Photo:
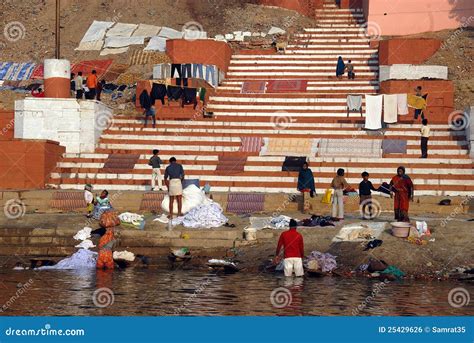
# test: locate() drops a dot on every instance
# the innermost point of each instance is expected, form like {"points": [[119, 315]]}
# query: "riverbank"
{"points": [[49, 236]]}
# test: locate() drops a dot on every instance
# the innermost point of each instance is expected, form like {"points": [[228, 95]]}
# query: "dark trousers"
{"points": [[185, 82], [176, 67], [418, 112], [186, 70], [90, 94], [424, 147], [79, 94], [351, 75]]}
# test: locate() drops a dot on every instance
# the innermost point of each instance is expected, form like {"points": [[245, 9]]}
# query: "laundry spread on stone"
{"points": [[325, 261]]}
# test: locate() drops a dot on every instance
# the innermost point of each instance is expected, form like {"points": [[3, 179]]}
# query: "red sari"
{"points": [[402, 186]]}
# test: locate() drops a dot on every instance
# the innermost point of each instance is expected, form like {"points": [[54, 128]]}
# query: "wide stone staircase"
{"points": [[319, 111]]}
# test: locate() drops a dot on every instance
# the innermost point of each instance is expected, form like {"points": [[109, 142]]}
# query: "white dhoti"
{"points": [[175, 188], [293, 264]]}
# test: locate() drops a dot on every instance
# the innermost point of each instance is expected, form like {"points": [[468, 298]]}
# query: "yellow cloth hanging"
{"points": [[416, 102]]}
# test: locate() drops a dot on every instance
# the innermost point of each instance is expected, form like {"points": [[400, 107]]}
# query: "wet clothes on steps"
{"points": [[316, 221]]}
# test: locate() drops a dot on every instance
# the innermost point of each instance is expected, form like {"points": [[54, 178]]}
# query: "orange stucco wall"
{"points": [[407, 51], [27, 164], [203, 51], [440, 96], [6, 125], [404, 17]]}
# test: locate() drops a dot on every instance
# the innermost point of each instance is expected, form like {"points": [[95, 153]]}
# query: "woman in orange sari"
{"points": [[401, 188], [105, 259]]}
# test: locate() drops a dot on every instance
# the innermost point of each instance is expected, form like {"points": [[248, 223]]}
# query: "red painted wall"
{"points": [[203, 51], [305, 7], [407, 51], [6, 125], [440, 96], [351, 4], [27, 164]]}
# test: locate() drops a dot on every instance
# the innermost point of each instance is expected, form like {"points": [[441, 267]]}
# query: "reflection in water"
{"points": [[191, 293]]}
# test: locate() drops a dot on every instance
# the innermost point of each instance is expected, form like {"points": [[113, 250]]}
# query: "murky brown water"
{"points": [[163, 292]]}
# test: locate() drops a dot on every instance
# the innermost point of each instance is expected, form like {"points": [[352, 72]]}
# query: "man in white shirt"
{"points": [[425, 136]]}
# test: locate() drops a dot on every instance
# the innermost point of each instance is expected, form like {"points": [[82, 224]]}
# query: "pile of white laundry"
{"points": [[192, 197], [200, 211], [81, 259]]}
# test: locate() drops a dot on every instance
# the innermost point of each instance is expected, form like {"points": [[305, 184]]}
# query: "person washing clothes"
{"points": [[155, 163], [293, 246], [365, 196], [425, 136], [339, 183], [89, 198]]}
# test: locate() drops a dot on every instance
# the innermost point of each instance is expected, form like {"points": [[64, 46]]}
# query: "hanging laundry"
{"points": [[158, 92], [390, 108], [402, 104], [373, 112]]}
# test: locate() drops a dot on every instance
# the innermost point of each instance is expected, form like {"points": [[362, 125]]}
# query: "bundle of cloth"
{"points": [[133, 220], [324, 261], [280, 222], [81, 259], [192, 197], [208, 215], [315, 220]]}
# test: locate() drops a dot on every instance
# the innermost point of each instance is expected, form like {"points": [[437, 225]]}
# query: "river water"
{"points": [[198, 292]]}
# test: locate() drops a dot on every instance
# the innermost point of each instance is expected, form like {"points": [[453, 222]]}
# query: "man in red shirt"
{"points": [[292, 243]]}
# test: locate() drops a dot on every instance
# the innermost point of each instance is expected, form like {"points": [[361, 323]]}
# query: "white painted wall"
{"points": [[412, 72], [76, 125]]}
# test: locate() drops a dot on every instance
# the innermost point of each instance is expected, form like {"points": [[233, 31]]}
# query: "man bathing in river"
{"points": [[293, 246]]}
